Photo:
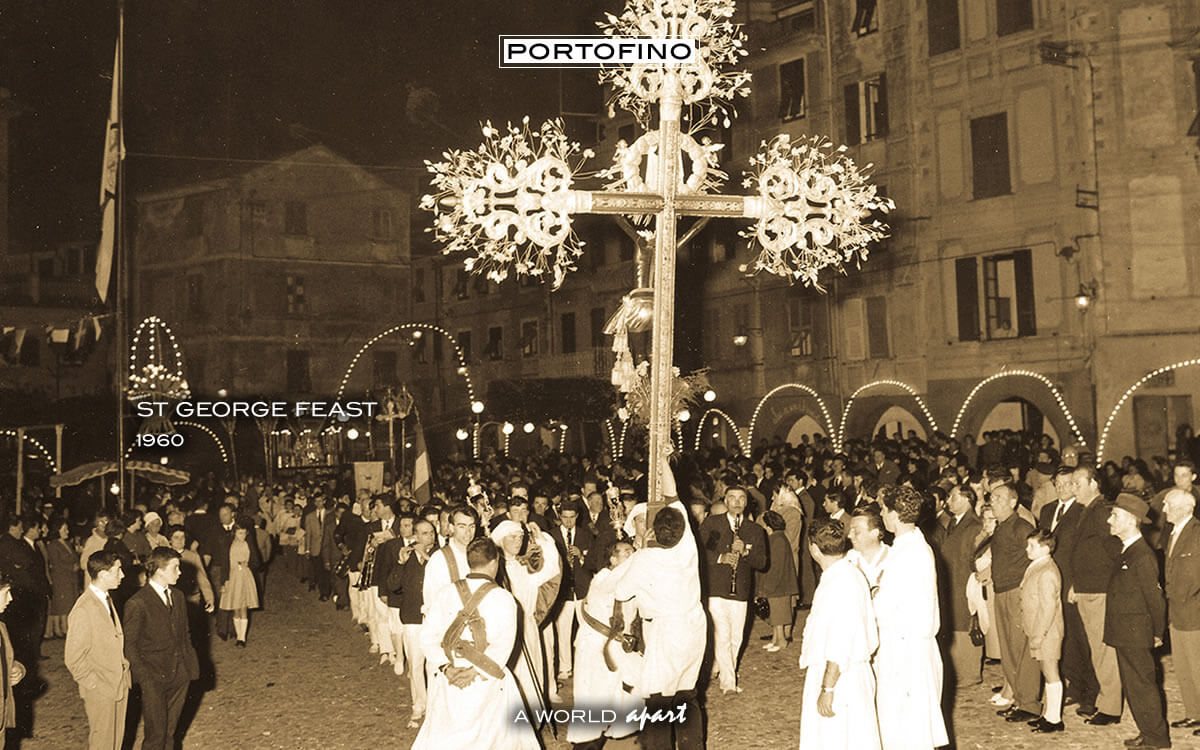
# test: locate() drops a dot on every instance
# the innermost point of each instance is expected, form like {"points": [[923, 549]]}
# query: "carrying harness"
{"points": [[453, 644]]}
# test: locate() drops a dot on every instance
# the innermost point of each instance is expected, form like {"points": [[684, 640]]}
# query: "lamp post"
{"points": [[509, 203]]}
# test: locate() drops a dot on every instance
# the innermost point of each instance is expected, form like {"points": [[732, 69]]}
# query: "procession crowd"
{"points": [[903, 563]]}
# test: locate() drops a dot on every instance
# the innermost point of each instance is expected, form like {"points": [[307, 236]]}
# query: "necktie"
{"points": [[737, 524], [167, 596], [112, 612], [1174, 538], [570, 537], [953, 522]]}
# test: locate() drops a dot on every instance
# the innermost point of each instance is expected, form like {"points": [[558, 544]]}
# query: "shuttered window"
{"points": [[989, 156], [967, 285]]}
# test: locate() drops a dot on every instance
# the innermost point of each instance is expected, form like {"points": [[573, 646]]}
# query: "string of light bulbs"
{"points": [[1076, 433], [1112, 415], [841, 433]]}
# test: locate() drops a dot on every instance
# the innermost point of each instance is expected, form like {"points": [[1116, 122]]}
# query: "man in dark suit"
{"points": [[220, 537], [1062, 518], [577, 549], [1182, 537], [885, 470], [1135, 621], [314, 538], [405, 582], [733, 547], [956, 544], [159, 648], [21, 559]]}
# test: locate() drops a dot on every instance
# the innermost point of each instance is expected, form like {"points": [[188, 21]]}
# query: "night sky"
{"points": [[254, 80]]}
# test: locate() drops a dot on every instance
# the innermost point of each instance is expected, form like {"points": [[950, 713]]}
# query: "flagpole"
{"points": [[120, 250]]}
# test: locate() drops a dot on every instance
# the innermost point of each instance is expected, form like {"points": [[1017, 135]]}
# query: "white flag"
{"points": [[114, 152]]}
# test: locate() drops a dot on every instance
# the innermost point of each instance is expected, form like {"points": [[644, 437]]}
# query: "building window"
{"points": [[967, 287], [865, 19], [1008, 295], [1013, 16], [420, 349], [598, 321], [463, 338], [299, 379], [462, 283], [418, 285], [295, 218], [495, 343], [989, 156], [385, 367], [866, 110], [568, 332], [481, 285], [31, 351], [195, 296], [800, 326], [792, 91], [381, 223], [297, 303], [45, 268], [943, 26], [193, 216], [529, 338], [877, 328]]}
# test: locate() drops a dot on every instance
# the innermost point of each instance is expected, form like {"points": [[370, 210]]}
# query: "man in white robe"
{"points": [[525, 581], [462, 522], [908, 665], [474, 703], [664, 580], [596, 688], [838, 709]]}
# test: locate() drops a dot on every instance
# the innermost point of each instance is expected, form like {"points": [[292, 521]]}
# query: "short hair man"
{"points": [[95, 653]]}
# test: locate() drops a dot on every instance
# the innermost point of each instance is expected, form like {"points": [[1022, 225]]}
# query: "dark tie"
{"points": [[570, 537], [1058, 514], [167, 595], [112, 612], [737, 524], [953, 522]]}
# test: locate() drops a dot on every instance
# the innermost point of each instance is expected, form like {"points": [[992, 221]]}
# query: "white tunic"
{"points": [[595, 687], [525, 586], [840, 629], [666, 585], [437, 572], [485, 714], [908, 666]]}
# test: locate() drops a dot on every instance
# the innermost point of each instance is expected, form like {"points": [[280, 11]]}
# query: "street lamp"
{"points": [[710, 395], [507, 428], [462, 434], [528, 427], [352, 433], [477, 407]]}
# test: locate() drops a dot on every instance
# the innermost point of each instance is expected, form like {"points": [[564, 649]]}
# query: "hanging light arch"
{"points": [[1058, 398], [749, 445], [1112, 415], [737, 432], [841, 435], [36, 444]]}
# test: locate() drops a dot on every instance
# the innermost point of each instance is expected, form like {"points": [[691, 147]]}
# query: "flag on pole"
{"points": [[422, 489], [114, 152]]}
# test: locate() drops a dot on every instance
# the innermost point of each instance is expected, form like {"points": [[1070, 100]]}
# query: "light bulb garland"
{"points": [[1112, 415], [153, 374], [841, 434], [746, 447], [36, 444], [1076, 433], [737, 433]]}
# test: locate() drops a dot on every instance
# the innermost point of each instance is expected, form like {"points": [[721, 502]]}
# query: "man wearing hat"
{"points": [[1135, 620]]}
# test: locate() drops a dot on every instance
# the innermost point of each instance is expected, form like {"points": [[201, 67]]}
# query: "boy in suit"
{"points": [[159, 648], [95, 653]]}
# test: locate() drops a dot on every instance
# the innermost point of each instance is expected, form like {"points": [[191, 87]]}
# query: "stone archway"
{"points": [[1015, 387], [899, 419], [806, 425]]}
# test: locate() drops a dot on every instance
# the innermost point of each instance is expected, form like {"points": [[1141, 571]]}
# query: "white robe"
{"points": [[525, 586], [483, 715], [840, 629], [666, 584], [595, 687], [437, 572], [908, 666]]}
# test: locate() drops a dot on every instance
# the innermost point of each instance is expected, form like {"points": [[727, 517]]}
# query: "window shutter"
{"points": [[1026, 302], [877, 327], [968, 299], [853, 134], [943, 26], [852, 324], [881, 109]]}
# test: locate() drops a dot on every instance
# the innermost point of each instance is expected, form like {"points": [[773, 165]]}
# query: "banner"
{"points": [[368, 475], [422, 488], [114, 152]]}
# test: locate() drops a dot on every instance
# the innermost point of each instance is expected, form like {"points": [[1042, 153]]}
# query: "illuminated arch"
{"points": [[36, 444], [152, 371], [462, 364], [624, 432], [841, 437], [737, 432], [1125, 397], [749, 444], [211, 434], [612, 436], [1076, 433]]}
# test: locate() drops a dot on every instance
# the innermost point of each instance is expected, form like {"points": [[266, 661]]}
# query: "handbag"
{"points": [[762, 608], [977, 636]]}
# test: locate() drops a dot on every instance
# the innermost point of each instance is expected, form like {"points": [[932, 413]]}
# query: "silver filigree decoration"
{"points": [[506, 203], [705, 86], [818, 209], [704, 175]]}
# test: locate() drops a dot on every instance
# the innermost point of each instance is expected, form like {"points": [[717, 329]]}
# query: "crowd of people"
{"points": [[904, 563]]}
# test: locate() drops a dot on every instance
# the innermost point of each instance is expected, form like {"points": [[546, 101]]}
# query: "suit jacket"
{"points": [[329, 549], [716, 538], [352, 532], [407, 582], [386, 560], [95, 650], [1096, 550], [1135, 612], [8, 706], [886, 474], [26, 567], [1183, 577], [956, 558], [1067, 535], [578, 572], [314, 532], [157, 643]]}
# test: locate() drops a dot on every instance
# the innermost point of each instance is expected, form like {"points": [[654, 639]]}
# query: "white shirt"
{"points": [[1060, 511], [1175, 533], [1127, 543], [161, 591], [101, 595]]}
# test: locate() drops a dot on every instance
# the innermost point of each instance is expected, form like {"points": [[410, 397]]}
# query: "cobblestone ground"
{"points": [[306, 681]]}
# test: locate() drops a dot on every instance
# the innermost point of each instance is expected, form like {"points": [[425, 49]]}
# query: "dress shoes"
{"points": [[1141, 742], [1020, 715], [1008, 710], [1100, 719], [1047, 727], [1185, 724], [1086, 711]]}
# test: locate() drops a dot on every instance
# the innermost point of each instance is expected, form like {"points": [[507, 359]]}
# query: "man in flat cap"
{"points": [[1135, 620]]}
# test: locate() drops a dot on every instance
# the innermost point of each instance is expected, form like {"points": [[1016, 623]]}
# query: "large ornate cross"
{"points": [[509, 203]]}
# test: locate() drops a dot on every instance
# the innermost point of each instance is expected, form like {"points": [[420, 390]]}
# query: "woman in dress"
{"points": [[63, 563], [238, 591], [778, 582]]}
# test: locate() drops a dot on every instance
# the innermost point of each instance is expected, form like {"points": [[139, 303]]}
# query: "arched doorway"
{"points": [[897, 419], [1015, 413], [805, 426]]}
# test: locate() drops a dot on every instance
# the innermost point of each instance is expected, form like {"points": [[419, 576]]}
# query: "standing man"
{"points": [[1135, 620], [449, 562], [1009, 562], [733, 550], [314, 536], [579, 565], [957, 551], [1183, 600], [1092, 564], [95, 653], [908, 666], [840, 635], [218, 571], [159, 648], [406, 581], [22, 560]]}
